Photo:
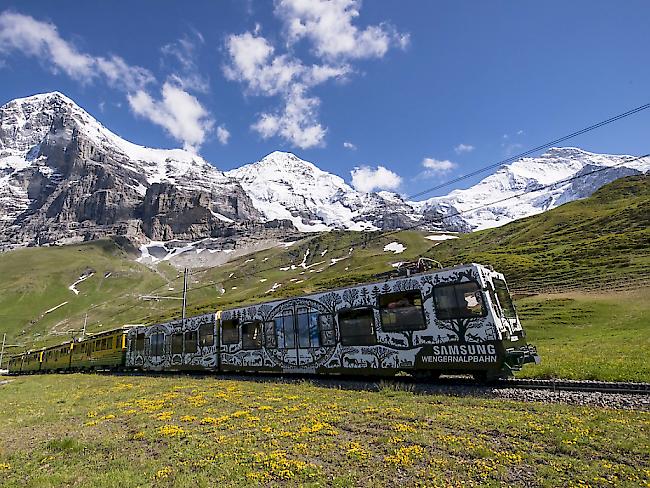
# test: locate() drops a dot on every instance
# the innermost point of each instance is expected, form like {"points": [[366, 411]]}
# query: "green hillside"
{"points": [[34, 281]]}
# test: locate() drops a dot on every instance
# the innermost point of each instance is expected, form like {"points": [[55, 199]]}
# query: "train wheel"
{"points": [[484, 376], [425, 375]]}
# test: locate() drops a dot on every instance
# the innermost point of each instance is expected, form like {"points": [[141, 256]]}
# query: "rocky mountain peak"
{"points": [[66, 177]]}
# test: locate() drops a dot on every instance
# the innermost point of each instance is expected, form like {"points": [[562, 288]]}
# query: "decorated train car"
{"points": [[455, 320], [188, 344], [458, 320]]}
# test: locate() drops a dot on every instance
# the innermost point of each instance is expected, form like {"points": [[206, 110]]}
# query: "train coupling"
{"points": [[516, 358]]}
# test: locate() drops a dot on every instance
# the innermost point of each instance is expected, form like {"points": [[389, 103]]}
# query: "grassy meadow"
{"points": [[595, 336], [109, 431]]}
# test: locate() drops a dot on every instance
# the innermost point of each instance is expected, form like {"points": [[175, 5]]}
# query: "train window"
{"points": [[402, 311], [459, 301], [504, 298], [190, 342], [251, 335], [327, 332], [357, 327], [139, 342], [230, 331], [177, 343], [284, 330], [308, 331], [270, 336], [206, 334], [157, 344]]}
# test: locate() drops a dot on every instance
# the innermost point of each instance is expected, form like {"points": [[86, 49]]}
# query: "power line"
{"points": [[533, 150]]}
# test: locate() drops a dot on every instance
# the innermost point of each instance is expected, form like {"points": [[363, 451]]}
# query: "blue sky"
{"points": [[404, 84]]}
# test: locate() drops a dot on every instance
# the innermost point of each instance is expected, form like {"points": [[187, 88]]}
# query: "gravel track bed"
{"points": [[579, 398]]}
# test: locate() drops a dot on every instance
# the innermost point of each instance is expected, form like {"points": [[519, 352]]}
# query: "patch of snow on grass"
{"points": [[441, 237], [54, 308], [303, 265], [274, 287], [395, 247], [84, 277]]}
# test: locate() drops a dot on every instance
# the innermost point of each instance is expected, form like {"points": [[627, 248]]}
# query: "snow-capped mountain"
{"points": [[528, 174], [64, 175], [283, 186]]}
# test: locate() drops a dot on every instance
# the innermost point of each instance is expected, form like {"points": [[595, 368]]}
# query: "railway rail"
{"points": [[576, 385]]}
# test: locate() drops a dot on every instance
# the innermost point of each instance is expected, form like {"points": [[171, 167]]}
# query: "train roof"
{"points": [[371, 283]]}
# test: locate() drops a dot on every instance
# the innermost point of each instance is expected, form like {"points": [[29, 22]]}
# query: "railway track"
{"points": [[407, 382], [577, 385]]}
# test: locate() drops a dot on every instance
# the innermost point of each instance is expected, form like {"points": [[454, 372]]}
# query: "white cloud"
{"points": [[436, 166], [254, 62], [183, 54], [296, 122], [328, 24], [23, 33], [178, 112], [510, 149], [349, 145], [223, 134], [122, 75], [367, 179], [520, 132], [463, 148]]}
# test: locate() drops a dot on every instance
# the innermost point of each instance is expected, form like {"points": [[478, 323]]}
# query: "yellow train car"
{"points": [[14, 364], [57, 358], [100, 351], [31, 362]]}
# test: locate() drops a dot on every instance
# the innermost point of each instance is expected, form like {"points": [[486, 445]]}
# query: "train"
{"points": [[458, 320]]}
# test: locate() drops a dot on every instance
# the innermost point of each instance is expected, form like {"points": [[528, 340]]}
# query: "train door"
{"points": [[298, 334]]}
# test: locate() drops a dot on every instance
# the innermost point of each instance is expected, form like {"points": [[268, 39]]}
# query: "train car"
{"points": [[456, 320], [14, 364], [174, 346], [57, 358], [105, 350], [31, 361]]}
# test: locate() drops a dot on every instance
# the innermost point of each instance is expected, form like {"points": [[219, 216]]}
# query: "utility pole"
{"points": [[185, 273], [2, 351], [83, 331]]}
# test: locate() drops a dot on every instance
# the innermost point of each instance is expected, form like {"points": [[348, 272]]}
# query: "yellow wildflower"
{"points": [[163, 473]]}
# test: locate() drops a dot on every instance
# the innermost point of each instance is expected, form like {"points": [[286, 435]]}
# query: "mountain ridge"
{"points": [[64, 177]]}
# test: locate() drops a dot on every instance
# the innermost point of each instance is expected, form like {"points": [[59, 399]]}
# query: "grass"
{"points": [[33, 281], [589, 336], [87, 430]]}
